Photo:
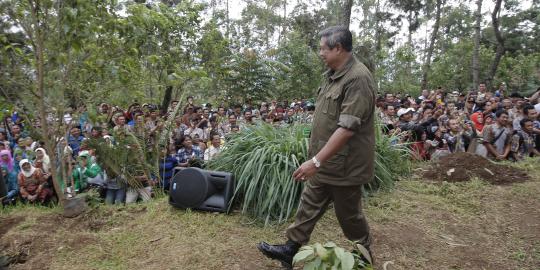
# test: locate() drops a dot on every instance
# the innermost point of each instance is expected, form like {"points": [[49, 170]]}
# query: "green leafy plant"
{"points": [[330, 256]]}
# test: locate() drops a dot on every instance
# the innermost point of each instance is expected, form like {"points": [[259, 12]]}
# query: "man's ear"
{"points": [[339, 48]]}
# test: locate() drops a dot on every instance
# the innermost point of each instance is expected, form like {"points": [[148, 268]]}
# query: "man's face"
{"points": [[206, 114], [16, 129], [428, 113], [290, 112], [528, 127], [174, 104], [153, 115], [453, 125], [75, 132], [407, 117], [232, 120], [390, 111], [507, 103], [329, 56], [248, 116], [95, 133], [188, 143], [532, 114], [140, 119], [216, 141], [121, 120], [221, 111], [482, 88], [503, 119], [389, 98], [451, 107], [425, 93]]}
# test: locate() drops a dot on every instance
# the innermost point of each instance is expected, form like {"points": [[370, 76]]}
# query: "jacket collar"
{"points": [[334, 75]]}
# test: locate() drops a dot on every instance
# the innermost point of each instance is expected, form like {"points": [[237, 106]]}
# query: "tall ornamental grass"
{"points": [[263, 159]]}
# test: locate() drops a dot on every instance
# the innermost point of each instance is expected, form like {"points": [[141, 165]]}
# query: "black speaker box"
{"points": [[201, 190]]}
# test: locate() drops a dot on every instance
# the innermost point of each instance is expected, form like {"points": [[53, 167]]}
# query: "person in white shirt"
{"points": [[214, 149]]}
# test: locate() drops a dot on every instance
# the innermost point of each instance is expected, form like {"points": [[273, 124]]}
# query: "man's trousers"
{"points": [[348, 207]]}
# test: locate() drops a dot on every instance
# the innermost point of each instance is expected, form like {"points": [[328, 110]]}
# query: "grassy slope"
{"points": [[417, 225]]}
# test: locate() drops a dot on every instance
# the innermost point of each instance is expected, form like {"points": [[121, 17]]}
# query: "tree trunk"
{"points": [[476, 51], [347, 10], [500, 45], [283, 23], [50, 143], [434, 35], [166, 99], [228, 23]]}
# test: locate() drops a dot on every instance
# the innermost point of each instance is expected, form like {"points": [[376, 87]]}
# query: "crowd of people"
{"points": [[493, 124], [196, 135]]}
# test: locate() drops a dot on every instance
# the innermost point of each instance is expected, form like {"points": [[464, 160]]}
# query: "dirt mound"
{"points": [[461, 167]]}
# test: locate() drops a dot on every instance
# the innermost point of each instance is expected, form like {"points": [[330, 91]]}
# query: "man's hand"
{"points": [[306, 170]]}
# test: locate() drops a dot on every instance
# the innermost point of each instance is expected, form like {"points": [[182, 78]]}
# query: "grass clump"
{"points": [[262, 159]]}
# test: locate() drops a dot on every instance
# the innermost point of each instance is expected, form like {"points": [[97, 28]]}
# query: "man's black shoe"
{"points": [[283, 253]]}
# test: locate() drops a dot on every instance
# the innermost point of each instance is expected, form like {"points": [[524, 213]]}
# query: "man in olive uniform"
{"points": [[342, 147]]}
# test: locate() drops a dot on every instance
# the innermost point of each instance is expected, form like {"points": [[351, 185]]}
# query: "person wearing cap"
{"points": [[341, 149], [85, 171], [405, 119]]}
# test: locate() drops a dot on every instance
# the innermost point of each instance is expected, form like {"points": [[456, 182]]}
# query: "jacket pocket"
{"points": [[331, 104]]}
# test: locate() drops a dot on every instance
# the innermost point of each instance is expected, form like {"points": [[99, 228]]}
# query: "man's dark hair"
{"points": [[386, 105], [499, 113], [527, 108], [516, 95], [337, 34], [524, 121]]}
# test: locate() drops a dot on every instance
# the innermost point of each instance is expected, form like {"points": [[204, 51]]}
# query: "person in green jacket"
{"points": [[86, 170]]}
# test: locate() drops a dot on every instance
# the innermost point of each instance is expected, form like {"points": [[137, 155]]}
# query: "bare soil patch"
{"points": [[7, 223], [460, 167]]}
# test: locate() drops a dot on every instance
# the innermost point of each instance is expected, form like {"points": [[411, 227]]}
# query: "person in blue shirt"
{"points": [[12, 189], [167, 162], [75, 139], [188, 152]]}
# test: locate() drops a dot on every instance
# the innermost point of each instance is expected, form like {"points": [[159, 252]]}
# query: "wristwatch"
{"points": [[316, 162]]}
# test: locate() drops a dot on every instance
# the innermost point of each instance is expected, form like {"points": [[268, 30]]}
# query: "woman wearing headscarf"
{"points": [[7, 160], [32, 183], [41, 155], [476, 146]]}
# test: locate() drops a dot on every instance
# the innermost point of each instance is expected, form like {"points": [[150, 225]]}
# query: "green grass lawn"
{"points": [[416, 225]]}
